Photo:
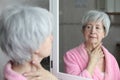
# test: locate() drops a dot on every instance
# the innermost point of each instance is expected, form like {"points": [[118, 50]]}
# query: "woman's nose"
{"points": [[93, 30]]}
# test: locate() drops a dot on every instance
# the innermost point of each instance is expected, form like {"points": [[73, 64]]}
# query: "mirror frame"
{"points": [[54, 58]]}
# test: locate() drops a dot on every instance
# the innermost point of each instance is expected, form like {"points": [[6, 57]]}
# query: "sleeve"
{"points": [[72, 67]]}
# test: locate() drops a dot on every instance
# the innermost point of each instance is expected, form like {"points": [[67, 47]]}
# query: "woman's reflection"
{"points": [[91, 59]]}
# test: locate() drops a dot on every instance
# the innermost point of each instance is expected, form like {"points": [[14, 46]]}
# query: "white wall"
{"points": [[5, 3]]}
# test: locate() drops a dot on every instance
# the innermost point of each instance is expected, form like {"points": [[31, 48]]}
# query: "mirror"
{"points": [[54, 8], [70, 34]]}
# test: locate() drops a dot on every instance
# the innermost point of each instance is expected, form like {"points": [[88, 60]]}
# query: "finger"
{"points": [[96, 51], [99, 52], [34, 78], [99, 45], [32, 74], [102, 54], [38, 78], [34, 62], [37, 65], [33, 68]]}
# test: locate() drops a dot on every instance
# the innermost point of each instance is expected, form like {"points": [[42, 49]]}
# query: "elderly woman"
{"points": [[91, 59], [26, 37]]}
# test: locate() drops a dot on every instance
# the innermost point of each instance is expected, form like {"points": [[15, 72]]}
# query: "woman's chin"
{"points": [[93, 42]]}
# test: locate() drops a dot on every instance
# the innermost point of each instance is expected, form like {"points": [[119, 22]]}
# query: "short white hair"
{"points": [[22, 30], [94, 15]]}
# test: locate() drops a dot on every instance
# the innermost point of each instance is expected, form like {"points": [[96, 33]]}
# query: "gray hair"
{"points": [[94, 15], [22, 30]]}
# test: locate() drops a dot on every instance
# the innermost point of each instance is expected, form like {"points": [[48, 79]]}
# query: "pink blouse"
{"points": [[9, 74], [76, 61]]}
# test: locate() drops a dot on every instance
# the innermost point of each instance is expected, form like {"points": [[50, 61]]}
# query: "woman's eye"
{"points": [[88, 27], [98, 27]]}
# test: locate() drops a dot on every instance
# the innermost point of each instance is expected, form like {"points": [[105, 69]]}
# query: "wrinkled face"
{"points": [[94, 32], [45, 48]]}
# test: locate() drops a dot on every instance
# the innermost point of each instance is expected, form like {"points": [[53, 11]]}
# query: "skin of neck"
{"points": [[91, 46], [27, 66]]}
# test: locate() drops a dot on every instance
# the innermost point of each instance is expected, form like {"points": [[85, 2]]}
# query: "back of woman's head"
{"points": [[22, 31]]}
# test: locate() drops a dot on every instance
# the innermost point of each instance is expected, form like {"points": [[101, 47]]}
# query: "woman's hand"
{"points": [[94, 56], [39, 74]]}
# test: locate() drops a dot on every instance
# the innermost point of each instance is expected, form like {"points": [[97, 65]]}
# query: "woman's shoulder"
{"points": [[10, 74], [76, 50], [78, 54], [108, 54]]}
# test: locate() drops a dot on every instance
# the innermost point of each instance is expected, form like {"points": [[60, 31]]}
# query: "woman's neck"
{"points": [[90, 46], [22, 68], [27, 66]]}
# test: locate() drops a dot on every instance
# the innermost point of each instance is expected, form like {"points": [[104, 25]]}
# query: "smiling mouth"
{"points": [[92, 37]]}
